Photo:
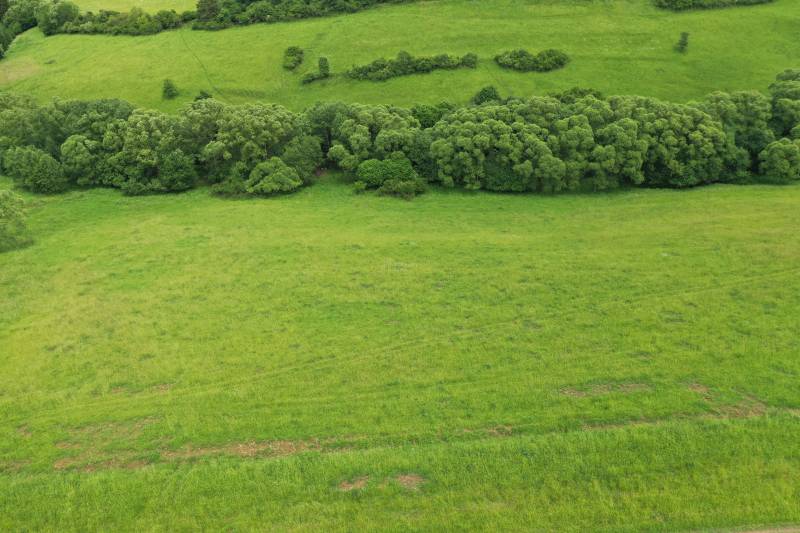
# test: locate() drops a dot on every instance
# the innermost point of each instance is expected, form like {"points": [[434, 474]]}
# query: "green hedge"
{"points": [[575, 140]]}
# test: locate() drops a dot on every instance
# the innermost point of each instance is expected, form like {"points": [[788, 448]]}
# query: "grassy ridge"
{"points": [[603, 361], [621, 47]]}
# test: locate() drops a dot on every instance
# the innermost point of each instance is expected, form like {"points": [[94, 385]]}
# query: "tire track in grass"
{"points": [[217, 92], [218, 386]]}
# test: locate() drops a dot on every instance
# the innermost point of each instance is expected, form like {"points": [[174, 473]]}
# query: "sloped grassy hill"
{"points": [[620, 47]]}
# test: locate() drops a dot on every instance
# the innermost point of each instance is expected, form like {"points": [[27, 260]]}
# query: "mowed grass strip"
{"points": [[619, 47], [608, 361]]}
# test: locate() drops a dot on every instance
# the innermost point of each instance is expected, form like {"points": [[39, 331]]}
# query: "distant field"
{"points": [[327, 361], [623, 46]]}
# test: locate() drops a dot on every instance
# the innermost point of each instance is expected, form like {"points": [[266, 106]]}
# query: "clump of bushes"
{"points": [[134, 22], [683, 43], [524, 61], [392, 177], [683, 5], [169, 90], [405, 64], [35, 169], [13, 231], [485, 95], [292, 57], [323, 72]]}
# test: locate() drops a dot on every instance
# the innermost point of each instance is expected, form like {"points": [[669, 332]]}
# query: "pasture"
{"points": [[622, 361], [619, 47]]}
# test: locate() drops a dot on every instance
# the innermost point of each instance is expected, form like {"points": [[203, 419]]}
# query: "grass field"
{"points": [[325, 361], [620, 47]]}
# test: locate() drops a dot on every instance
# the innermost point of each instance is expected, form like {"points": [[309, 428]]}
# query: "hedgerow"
{"points": [[405, 64], [574, 140], [682, 5], [525, 61]]}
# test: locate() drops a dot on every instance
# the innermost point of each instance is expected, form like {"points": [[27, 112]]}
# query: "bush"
{"points": [[35, 170], [50, 17], [487, 94], [272, 176], [323, 72], [524, 61], [203, 95], [683, 43], [292, 57], [682, 5], [393, 177], [13, 232], [780, 162], [405, 64], [169, 90]]}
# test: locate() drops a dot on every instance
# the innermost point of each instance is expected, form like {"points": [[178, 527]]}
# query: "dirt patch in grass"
{"points": [[500, 431], [353, 484], [24, 431], [604, 388], [162, 388], [702, 390], [410, 481], [277, 448]]}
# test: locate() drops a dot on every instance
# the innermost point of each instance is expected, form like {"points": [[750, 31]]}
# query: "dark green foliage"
{"points": [[51, 16], [34, 169], [682, 5], [323, 72], [405, 64], [203, 95], [218, 15], [683, 43], [134, 22], [428, 115], [487, 94], [146, 155], [169, 90], [292, 57], [576, 140], [524, 61], [21, 15], [785, 102], [208, 10], [780, 162], [13, 232], [394, 177]]}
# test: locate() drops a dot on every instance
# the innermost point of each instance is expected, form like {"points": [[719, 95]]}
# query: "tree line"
{"points": [[577, 140]]}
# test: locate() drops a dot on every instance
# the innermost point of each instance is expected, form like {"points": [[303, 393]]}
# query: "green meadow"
{"points": [[618, 47], [328, 361]]}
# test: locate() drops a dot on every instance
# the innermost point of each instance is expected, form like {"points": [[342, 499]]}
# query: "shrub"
{"points": [[272, 176], [683, 43], [487, 94], [394, 177], [780, 162], [203, 95], [13, 232], [324, 71], [524, 61], [292, 57], [169, 90], [405, 64], [682, 5], [35, 170], [50, 17]]}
